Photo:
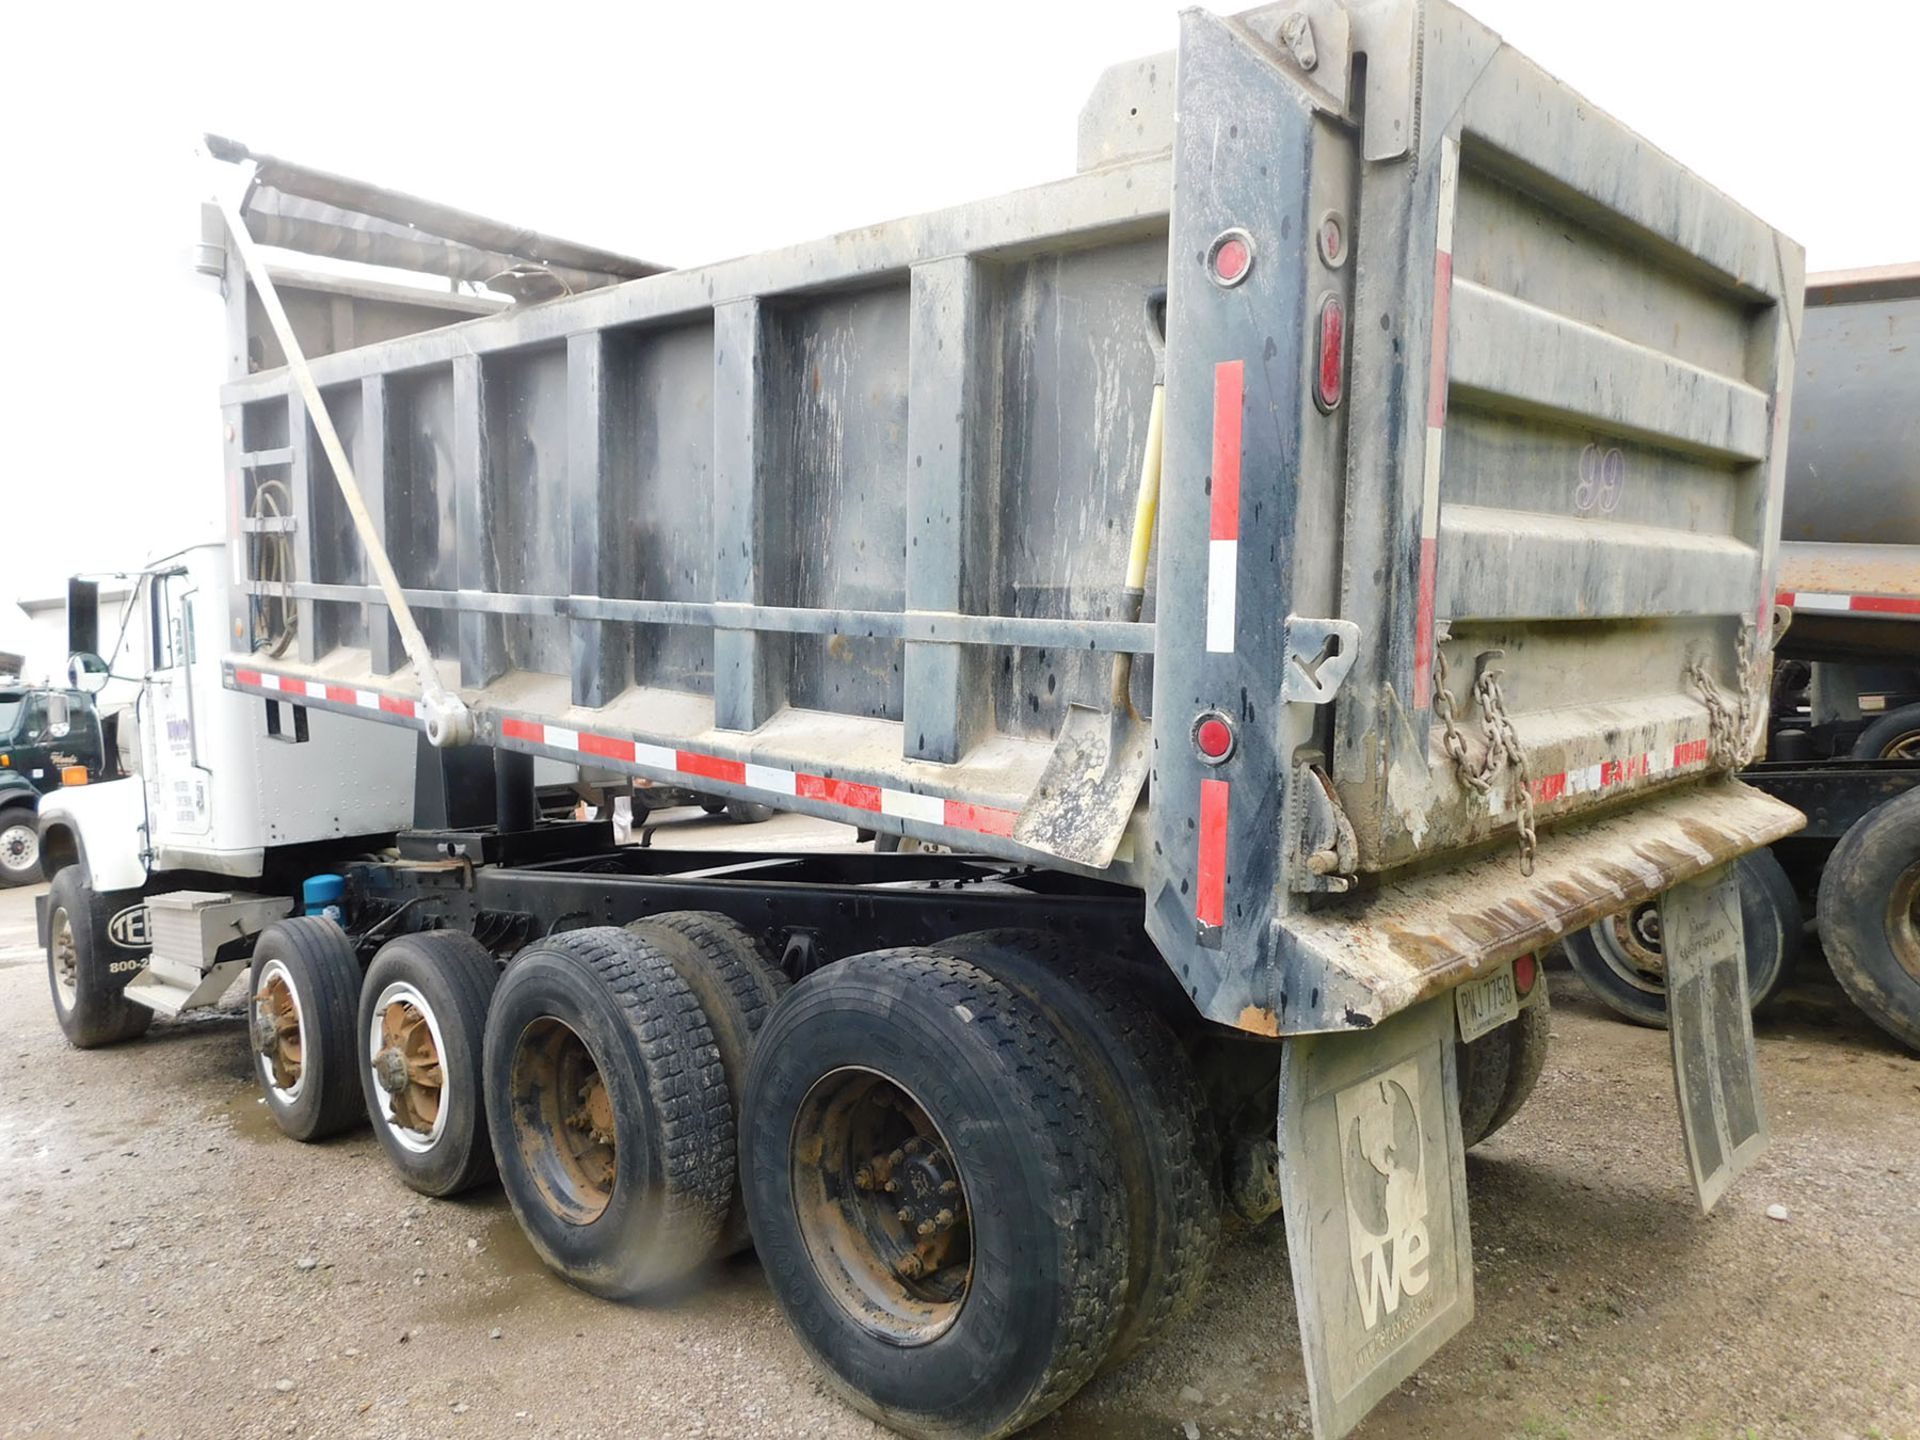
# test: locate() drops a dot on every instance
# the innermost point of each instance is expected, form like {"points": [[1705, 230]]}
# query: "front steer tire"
{"points": [[425, 1000], [974, 1089], [81, 959], [607, 1104], [305, 1057], [19, 846], [1869, 914]]}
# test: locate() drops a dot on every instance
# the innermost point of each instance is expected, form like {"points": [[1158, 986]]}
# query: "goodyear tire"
{"points": [[1894, 736], [422, 1027], [301, 1020], [736, 985], [1869, 915], [87, 971], [607, 1104], [1167, 1150], [932, 1194], [1499, 1070], [19, 847], [1619, 958]]}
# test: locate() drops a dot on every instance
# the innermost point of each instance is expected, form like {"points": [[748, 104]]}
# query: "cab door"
{"points": [[178, 783]]}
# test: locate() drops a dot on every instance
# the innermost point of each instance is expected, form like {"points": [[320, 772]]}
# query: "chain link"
{"points": [[1503, 747], [1729, 727]]}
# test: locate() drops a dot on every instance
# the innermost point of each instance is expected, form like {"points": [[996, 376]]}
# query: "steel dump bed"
{"points": [[1475, 407]]}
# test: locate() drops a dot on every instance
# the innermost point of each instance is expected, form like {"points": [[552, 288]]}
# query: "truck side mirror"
{"points": [[86, 672]]}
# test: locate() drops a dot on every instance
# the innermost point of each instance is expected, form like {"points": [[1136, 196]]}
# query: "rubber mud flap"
{"points": [[1373, 1182], [1711, 1025]]}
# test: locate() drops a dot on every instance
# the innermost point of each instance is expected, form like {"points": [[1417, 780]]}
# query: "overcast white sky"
{"points": [[686, 133]]}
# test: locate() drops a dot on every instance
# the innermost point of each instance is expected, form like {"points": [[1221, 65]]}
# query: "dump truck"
{"points": [[1844, 710], [1282, 576]]}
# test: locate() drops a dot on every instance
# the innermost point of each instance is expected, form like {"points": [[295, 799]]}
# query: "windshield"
{"points": [[10, 713]]}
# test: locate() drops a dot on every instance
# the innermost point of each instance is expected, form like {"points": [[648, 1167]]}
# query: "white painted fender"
{"points": [[108, 822]]}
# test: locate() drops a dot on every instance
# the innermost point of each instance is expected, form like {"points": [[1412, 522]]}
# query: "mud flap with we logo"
{"points": [[1711, 1026], [1373, 1184]]}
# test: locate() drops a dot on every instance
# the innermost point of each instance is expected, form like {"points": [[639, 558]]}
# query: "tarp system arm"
{"points": [[448, 721]]}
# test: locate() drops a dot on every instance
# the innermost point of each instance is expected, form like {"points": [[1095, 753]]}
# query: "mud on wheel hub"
{"points": [[563, 1121], [406, 1049], [279, 1032], [881, 1206]]}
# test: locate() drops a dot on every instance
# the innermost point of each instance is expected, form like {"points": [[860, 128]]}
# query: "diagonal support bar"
{"points": [[448, 720]]}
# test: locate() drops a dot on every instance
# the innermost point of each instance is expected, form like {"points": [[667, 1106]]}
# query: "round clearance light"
{"points": [[1525, 972], [1230, 258], [1213, 737], [1333, 240]]}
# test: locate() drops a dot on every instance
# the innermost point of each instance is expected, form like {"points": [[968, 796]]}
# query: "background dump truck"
{"points": [[1844, 718], [1295, 568]]}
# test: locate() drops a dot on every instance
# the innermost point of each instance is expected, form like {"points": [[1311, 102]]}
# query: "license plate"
{"points": [[1484, 1005]]}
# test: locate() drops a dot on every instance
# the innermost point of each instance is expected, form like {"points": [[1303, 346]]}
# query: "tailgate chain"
{"points": [[1729, 729], [1503, 743]]}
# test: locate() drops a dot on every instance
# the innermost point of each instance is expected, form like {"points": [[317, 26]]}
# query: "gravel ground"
{"points": [[173, 1266]]}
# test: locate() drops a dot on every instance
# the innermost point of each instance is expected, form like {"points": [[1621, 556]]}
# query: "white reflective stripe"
{"points": [[367, 699], [1449, 189], [765, 777], [1223, 573], [269, 681], [1430, 484], [658, 756], [929, 808], [1803, 601], [562, 739], [1585, 780]]}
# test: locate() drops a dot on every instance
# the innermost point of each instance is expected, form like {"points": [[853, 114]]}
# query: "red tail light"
{"points": [[1330, 379], [1525, 971]]}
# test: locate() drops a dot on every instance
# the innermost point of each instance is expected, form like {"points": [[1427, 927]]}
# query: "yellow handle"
{"points": [[1147, 502]]}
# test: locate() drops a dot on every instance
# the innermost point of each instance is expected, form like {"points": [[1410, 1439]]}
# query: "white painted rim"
{"points": [[19, 847], [401, 993], [277, 970], [65, 958]]}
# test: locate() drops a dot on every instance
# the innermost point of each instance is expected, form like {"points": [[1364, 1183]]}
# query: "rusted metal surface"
{"points": [[882, 1205], [277, 1034], [408, 1067], [1384, 950], [564, 1121]]}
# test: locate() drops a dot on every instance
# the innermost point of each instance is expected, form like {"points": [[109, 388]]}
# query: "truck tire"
{"points": [[735, 988], [1869, 915], [422, 1029], [607, 1102], [301, 1022], [748, 812], [1894, 736], [1499, 1070], [86, 972], [1167, 1149], [1619, 958], [992, 1293], [20, 848]]}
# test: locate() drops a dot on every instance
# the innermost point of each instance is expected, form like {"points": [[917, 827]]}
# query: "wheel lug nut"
{"points": [[863, 1178], [925, 1227], [896, 1157], [910, 1266], [892, 1187], [943, 1219], [903, 1215], [949, 1187]]}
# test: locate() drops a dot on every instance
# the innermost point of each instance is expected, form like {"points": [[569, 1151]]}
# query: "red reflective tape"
{"points": [[1550, 787], [344, 694], [1690, 752], [606, 745], [1423, 628], [1884, 605], [393, 705], [837, 792], [982, 819], [1442, 308], [1785, 597], [710, 767], [290, 686], [246, 677], [523, 730], [1618, 772], [1229, 405], [1210, 884]]}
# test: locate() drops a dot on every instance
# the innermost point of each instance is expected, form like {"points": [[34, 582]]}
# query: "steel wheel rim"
{"points": [[1902, 747], [1629, 946], [1903, 920], [19, 847], [404, 1022], [856, 1134], [66, 958], [565, 1125], [280, 1048]]}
